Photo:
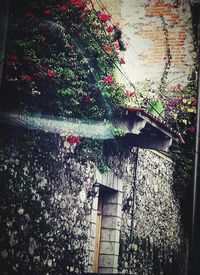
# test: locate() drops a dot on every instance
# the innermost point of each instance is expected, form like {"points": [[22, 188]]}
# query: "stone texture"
{"points": [[48, 226], [151, 229], [44, 223]]}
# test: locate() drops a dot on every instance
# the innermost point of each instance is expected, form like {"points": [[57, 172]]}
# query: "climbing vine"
{"points": [[60, 59], [182, 107]]}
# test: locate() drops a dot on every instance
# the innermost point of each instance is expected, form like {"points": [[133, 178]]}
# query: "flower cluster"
{"points": [[77, 3], [73, 140], [108, 79], [145, 94], [104, 17], [49, 60], [182, 107]]}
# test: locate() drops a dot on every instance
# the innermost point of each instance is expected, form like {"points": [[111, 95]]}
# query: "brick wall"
{"points": [[145, 38]]}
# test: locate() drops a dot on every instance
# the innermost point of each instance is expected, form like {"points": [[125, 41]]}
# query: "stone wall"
{"points": [[45, 214], [152, 240]]}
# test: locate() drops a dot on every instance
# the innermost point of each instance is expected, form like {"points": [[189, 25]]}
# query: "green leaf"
{"points": [[65, 91], [156, 108]]}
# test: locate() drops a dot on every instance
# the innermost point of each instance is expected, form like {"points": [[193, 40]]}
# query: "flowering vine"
{"points": [[57, 56]]}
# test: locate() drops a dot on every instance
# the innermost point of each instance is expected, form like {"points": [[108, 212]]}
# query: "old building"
{"points": [[62, 210]]}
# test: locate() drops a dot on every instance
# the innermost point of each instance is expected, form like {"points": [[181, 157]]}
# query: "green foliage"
{"points": [[56, 58], [118, 132], [103, 168], [155, 108], [146, 95], [66, 91], [181, 112]]}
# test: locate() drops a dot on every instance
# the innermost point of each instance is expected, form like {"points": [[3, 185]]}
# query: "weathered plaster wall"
{"points": [[145, 38], [44, 214]]}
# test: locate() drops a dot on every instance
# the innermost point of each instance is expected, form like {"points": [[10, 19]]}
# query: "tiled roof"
{"points": [[155, 119]]}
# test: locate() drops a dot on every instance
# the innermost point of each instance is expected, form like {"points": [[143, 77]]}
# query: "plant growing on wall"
{"points": [[60, 59], [182, 110]]}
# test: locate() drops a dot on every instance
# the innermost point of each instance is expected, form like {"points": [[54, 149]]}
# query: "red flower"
{"points": [[108, 79], [110, 29], [26, 77], [47, 11], [73, 139], [51, 73], [122, 60], [77, 3], [103, 17], [63, 8]]}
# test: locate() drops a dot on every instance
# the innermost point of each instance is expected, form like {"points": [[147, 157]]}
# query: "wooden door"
{"points": [[98, 235]]}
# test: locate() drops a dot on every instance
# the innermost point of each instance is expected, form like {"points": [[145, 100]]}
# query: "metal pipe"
{"points": [[196, 164], [133, 204]]}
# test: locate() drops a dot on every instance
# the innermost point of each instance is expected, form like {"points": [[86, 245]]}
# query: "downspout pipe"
{"points": [[196, 165]]}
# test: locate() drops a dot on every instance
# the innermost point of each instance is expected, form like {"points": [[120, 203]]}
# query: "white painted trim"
{"points": [[162, 155]]}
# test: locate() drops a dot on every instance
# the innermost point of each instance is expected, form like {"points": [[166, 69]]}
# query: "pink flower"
{"points": [[63, 8], [194, 103], [51, 73], [108, 79], [110, 29], [26, 77], [73, 139], [177, 88], [129, 93], [47, 11], [103, 17], [174, 102], [122, 60], [191, 129]]}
